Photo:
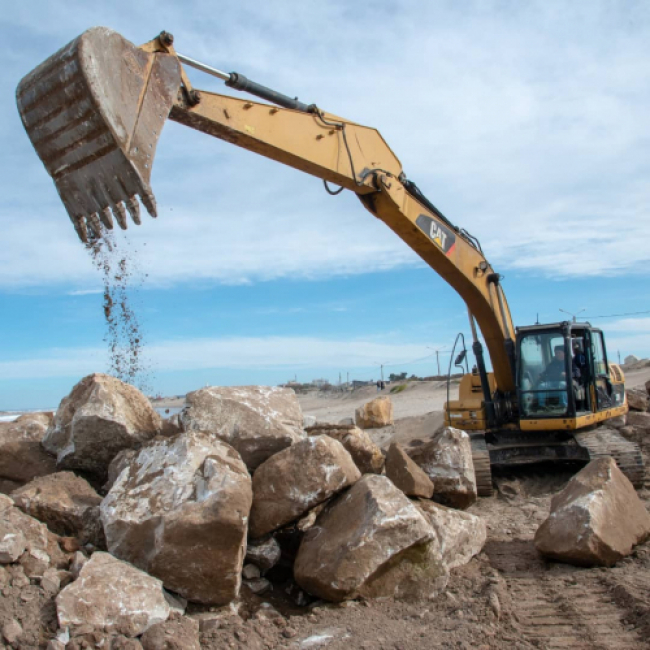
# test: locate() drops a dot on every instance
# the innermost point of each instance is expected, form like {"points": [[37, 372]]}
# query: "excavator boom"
{"points": [[94, 112]]}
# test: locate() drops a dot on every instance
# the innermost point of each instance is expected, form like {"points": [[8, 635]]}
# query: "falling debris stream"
{"points": [[121, 278]]}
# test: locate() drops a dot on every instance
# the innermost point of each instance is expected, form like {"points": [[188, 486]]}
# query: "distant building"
{"points": [[319, 383]]}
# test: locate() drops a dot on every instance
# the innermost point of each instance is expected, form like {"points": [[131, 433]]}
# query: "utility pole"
{"points": [[347, 381], [619, 356], [437, 351]]}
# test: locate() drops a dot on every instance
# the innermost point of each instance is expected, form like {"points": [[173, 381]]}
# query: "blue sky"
{"points": [[525, 123]]}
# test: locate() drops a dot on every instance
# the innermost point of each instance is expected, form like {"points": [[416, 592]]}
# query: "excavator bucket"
{"points": [[94, 112]]}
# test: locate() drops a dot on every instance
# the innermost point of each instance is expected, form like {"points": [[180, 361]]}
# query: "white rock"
{"points": [[112, 595], [461, 535], [100, 417], [447, 461], [180, 512], [258, 421], [296, 479], [12, 543]]}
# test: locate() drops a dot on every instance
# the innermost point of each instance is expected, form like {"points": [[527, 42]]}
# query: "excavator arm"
{"points": [[94, 112]]}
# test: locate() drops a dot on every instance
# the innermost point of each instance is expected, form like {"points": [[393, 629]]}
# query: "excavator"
{"points": [[94, 112]]}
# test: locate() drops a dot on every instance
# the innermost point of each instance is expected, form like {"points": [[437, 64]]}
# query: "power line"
{"points": [[407, 363], [631, 313]]}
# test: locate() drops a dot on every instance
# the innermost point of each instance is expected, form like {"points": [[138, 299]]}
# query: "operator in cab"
{"points": [[556, 369]]}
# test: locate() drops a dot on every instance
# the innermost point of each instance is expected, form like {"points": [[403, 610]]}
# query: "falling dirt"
{"points": [[121, 278]]}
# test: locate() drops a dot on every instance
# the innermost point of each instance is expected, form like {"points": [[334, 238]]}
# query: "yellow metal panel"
{"points": [[556, 424]]}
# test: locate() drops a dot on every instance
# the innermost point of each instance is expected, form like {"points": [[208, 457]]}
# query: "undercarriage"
{"points": [[511, 448]]}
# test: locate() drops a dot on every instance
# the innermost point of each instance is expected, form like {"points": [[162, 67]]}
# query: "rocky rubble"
{"points": [[249, 500], [638, 399], [113, 596], [183, 497], [365, 453], [22, 456], [447, 461], [596, 519], [460, 535], [406, 475], [341, 556], [296, 479], [100, 417], [66, 503], [258, 421]]}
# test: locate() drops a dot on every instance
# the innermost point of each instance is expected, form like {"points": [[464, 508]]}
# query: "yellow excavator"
{"points": [[94, 112]]}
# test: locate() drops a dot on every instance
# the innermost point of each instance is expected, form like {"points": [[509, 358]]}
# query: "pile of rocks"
{"points": [[123, 517], [144, 514]]}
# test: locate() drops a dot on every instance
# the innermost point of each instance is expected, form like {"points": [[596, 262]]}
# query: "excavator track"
{"points": [[482, 468], [515, 448], [609, 442]]}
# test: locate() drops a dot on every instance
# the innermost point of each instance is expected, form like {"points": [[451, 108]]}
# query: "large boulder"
{"points": [[596, 519], [180, 512], [66, 503], [637, 399], [112, 595], [375, 414], [365, 453], [295, 480], [461, 535], [447, 461], [638, 420], [354, 546], [406, 475], [100, 417], [22, 456], [258, 421]]}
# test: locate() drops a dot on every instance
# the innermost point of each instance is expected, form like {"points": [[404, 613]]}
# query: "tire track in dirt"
{"points": [[575, 609], [554, 605]]}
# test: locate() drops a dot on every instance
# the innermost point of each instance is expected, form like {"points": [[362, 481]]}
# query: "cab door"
{"points": [[600, 388]]}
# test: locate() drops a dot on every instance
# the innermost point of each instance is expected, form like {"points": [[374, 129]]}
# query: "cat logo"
{"points": [[440, 235]]}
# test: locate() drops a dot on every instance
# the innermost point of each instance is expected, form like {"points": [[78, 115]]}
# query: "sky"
{"points": [[524, 123]]}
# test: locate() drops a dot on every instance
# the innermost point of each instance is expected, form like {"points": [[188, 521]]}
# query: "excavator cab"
{"points": [[564, 379]]}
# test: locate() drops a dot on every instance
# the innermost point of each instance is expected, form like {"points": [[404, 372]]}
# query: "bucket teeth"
{"points": [[107, 218], [80, 226], [133, 207], [120, 214], [94, 225], [149, 202]]}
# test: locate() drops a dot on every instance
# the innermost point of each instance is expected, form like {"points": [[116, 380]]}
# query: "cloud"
{"points": [[629, 325], [253, 353], [528, 127], [85, 292]]}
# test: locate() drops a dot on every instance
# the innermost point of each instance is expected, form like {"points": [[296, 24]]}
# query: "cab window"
{"points": [[542, 375], [598, 353]]}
